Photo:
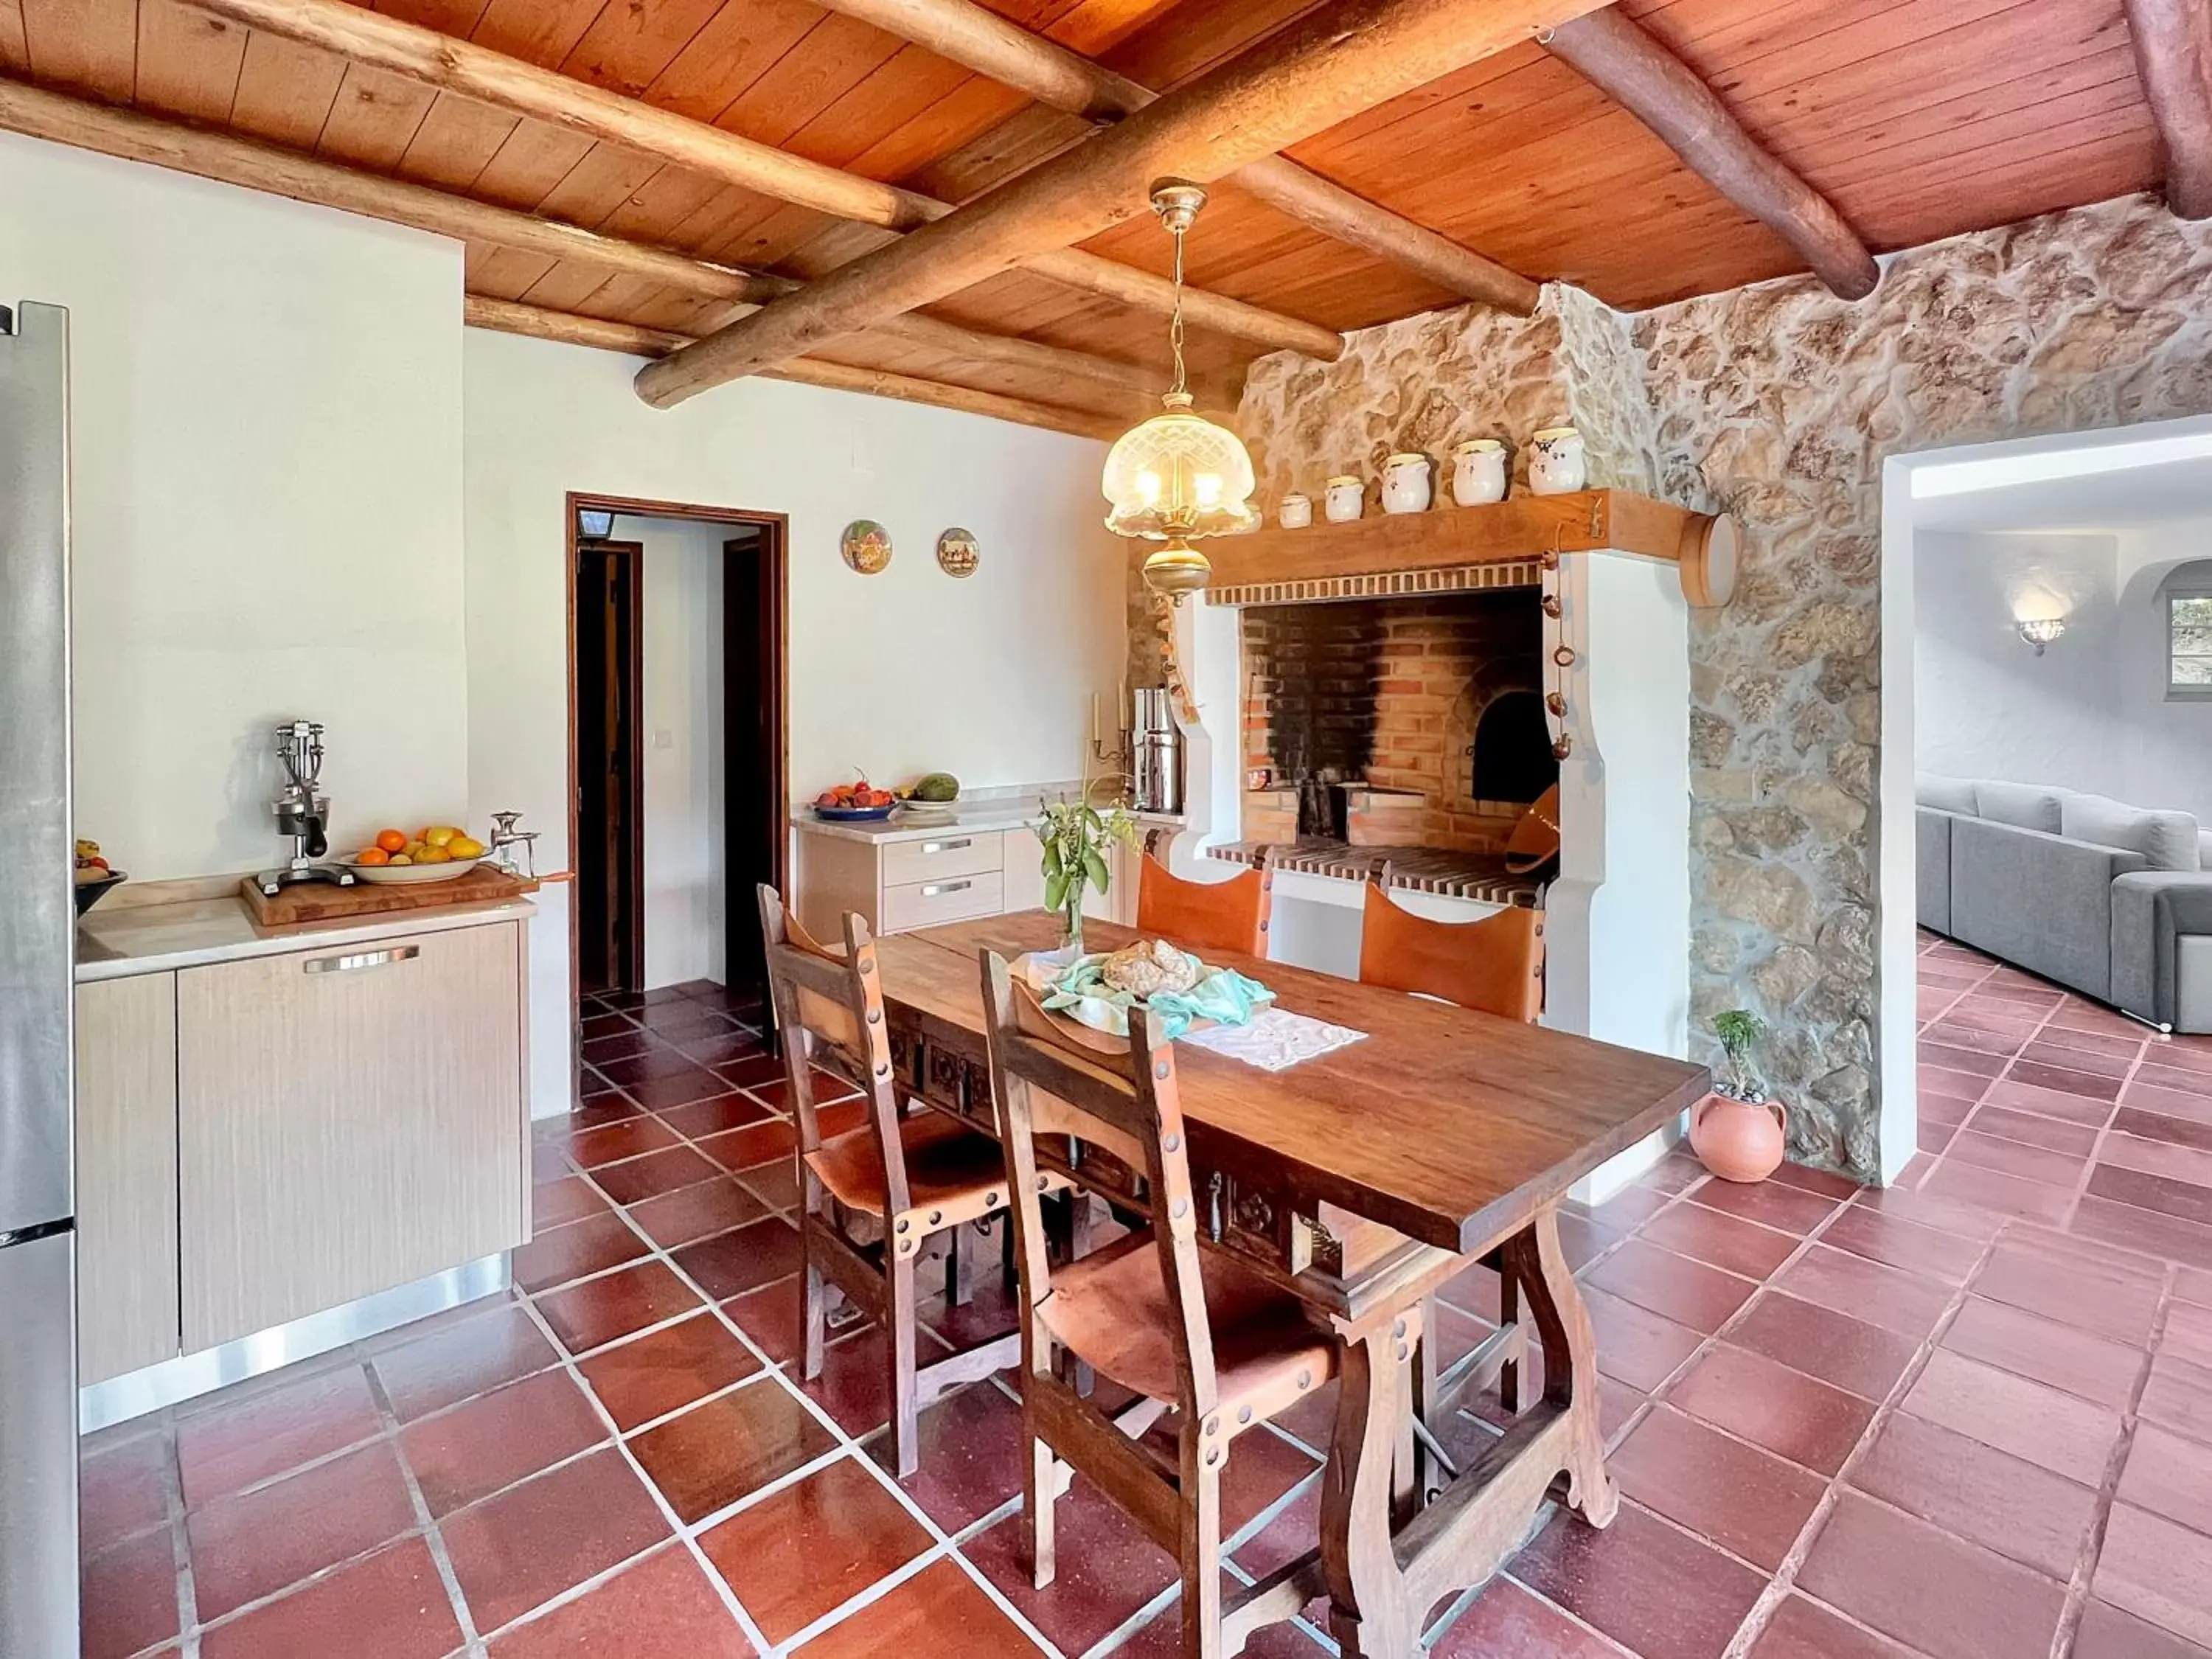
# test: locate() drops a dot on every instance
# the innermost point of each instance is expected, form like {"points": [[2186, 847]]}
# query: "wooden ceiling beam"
{"points": [[1610, 50], [484, 76], [511, 317], [256, 166], [1339, 60], [979, 39], [2172, 41]]}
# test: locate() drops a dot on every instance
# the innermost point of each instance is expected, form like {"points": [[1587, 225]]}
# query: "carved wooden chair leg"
{"points": [[959, 1287], [899, 1345], [1201, 1548], [1040, 1496]]}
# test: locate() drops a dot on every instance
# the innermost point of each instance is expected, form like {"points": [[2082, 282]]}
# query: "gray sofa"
{"points": [[2110, 900]]}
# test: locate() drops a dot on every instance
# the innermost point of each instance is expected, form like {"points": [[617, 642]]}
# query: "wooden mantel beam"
{"points": [[1128, 388], [979, 39], [1614, 53], [511, 317], [484, 76], [1343, 59], [2173, 55]]}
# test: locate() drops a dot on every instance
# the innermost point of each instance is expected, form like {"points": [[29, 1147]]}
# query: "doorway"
{"points": [[677, 711]]}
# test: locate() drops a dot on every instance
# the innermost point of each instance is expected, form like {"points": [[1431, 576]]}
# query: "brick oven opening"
{"points": [[1511, 761]]}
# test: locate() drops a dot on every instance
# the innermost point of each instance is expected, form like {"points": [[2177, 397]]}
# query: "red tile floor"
{"points": [[1967, 1417]]}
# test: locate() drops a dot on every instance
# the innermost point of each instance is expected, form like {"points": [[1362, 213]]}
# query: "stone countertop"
{"points": [[968, 818], [147, 938]]}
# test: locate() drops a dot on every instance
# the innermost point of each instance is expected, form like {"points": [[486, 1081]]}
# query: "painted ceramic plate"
{"points": [[867, 546], [957, 553], [854, 814]]}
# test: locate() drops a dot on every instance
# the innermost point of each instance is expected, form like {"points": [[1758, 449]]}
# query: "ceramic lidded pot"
{"points": [[1557, 464], [1737, 1140], [1344, 500], [1294, 511], [1406, 484], [1478, 473]]}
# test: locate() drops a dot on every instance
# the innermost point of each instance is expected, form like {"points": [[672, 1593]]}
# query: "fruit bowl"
{"points": [[854, 814], [406, 875], [89, 893]]}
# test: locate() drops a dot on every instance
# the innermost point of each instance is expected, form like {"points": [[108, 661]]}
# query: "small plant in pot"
{"points": [[1736, 1131]]}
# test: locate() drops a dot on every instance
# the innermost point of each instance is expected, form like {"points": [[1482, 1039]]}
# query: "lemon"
{"points": [[465, 847], [434, 855], [439, 835], [401, 858]]}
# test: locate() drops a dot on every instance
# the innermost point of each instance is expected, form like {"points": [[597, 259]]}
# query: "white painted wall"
{"points": [[682, 639], [2168, 746], [267, 503], [989, 677]]}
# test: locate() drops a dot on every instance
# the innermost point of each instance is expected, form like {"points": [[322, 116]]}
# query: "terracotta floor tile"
{"points": [[2148, 1230], [558, 1255], [1629, 1208], [2055, 1103], [777, 1184], [939, 1611], [2016, 1157], [2118, 1305], [1825, 1182], [654, 1059], [2194, 1285], [666, 1171], [2185, 1104], [391, 1605], [1864, 1359], [1791, 1209], [748, 1071], [129, 1596], [714, 1114], [632, 1138], [732, 1263], [1674, 1286], [1508, 1622], [813, 1545], [652, 1374], [495, 1440], [2094, 1085], [228, 1446], [854, 1387], [1635, 1346], [694, 1082], [1938, 1082], [1933, 1138], [458, 1361], [755, 1144], [1107, 1569], [2001, 1039], [2185, 1081], [2052, 1430], [661, 1608], [1897, 1242], [729, 1447], [971, 1456], [1994, 1190], [2183, 1199], [1763, 1400], [2157, 1125], [249, 1545], [2180, 1395], [1746, 1500], [1907, 1303], [2030, 1346], [2159, 1571], [2108, 1633], [601, 1047], [1951, 1059], [2112, 1046], [1930, 1590], [1985, 1496], [1948, 1215], [595, 1311], [1720, 1240], [677, 1218], [717, 1049], [123, 1489], [2188, 1333], [2169, 1476], [526, 1545], [1657, 1591], [570, 1199], [2033, 1130], [2101, 1062], [1803, 1629]]}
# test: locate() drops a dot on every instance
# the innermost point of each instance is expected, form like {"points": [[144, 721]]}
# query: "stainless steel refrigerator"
{"points": [[37, 934]]}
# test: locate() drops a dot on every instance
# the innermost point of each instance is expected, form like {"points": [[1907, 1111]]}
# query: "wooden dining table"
{"points": [[1364, 1179]]}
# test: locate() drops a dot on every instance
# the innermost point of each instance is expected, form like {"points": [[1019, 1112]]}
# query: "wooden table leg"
{"points": [[1368, 1614], [1553, 1303]]}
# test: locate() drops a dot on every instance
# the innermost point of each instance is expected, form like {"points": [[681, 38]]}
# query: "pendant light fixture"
{"points": [[1178, 477]]}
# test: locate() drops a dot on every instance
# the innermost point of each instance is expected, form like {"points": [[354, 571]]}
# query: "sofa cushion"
{"points": [[1933, 853], [1944, 794], [2025, 805], [2167, 840], [2040, 901]]}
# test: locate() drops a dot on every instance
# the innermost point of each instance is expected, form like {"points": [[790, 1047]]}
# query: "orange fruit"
{"points": [[390, 840], [372, 856]]}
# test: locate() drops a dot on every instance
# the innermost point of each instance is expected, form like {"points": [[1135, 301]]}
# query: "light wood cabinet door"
{"points": [[126, 1175], [349, 1120]]}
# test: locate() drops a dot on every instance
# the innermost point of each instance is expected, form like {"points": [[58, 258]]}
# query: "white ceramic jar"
{"points": [[1344, 500], [1478, 473], [1294, 511], [1406, 484], [1557, 465]]}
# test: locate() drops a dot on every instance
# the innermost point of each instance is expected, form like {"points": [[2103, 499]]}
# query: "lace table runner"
{"points": [[1275, 1040]]}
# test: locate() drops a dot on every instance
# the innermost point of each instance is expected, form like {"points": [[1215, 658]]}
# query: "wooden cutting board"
{"points": [[319, 901]]}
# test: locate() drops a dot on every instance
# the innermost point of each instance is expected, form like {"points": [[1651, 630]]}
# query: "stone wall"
{"points": [[1781, 403]]}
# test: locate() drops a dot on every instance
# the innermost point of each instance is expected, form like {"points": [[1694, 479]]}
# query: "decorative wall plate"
{"points": [[957, 553], [867, 546]]}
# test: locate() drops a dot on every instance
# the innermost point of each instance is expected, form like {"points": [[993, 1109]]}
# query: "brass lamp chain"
{"points": [[1174, 319]]}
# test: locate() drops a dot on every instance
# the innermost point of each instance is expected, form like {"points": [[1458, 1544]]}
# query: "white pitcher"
{"points": [[1344, 500], [1557, 465], [1405, 485], [1478, 473]]}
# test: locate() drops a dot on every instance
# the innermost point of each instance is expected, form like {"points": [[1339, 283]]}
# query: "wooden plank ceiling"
{"points": [[1917, 119]]}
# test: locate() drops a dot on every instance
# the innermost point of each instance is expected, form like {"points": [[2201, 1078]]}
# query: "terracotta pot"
{"points": [[1736, 1139]]}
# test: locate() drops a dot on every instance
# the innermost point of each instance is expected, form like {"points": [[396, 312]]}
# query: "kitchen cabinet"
{"points": [[348, 1120], [919, 881], [126, 1175]]}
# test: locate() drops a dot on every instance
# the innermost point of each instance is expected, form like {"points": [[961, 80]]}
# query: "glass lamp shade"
{"points": [[1178, 476]]}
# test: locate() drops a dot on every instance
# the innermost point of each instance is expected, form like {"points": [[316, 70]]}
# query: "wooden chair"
{"points": [[1495, 965], [918, 1175], [1217, 1343], [1207, 915]]}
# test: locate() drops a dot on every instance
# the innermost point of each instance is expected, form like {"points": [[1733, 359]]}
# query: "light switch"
{"points": [[663, 737]]}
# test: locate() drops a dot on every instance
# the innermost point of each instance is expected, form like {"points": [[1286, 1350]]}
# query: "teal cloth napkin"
{"points": [[1222, 995]]}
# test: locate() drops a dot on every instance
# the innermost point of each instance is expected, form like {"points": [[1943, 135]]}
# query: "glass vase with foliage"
{"points": [[1076, 837], [1739, 1030]]}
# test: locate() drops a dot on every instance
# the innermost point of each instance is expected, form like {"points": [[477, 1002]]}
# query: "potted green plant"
{"points": [[1736, 1131], [1076, 837]]}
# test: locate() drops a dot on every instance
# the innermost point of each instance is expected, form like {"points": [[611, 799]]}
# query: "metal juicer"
{"points": [[300, 812]]}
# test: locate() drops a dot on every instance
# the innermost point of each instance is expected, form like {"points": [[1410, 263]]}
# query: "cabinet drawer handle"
{"points": [[936, 888], [947, 846], [360, 960]]}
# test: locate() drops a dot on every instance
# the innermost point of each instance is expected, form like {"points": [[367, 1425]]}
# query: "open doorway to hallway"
{"points": [[677, 723]]}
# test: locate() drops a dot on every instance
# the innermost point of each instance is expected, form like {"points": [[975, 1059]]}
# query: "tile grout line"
{"points": [[432, 1538]]}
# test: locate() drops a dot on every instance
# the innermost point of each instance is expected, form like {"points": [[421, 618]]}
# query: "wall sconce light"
{"points": [[2041, 631]]}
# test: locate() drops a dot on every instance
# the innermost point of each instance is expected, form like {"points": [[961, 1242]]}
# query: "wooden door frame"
{"points": [[631, 947], [775, 549]]}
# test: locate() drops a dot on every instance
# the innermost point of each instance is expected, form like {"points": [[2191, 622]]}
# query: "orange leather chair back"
{"points": [[1204, 915], [1495, 965]]}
